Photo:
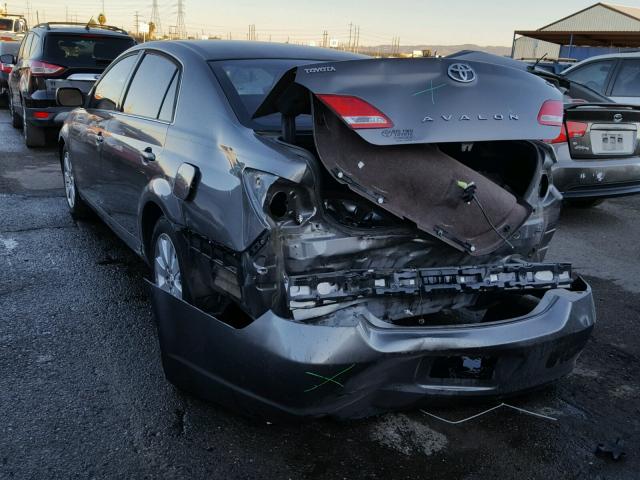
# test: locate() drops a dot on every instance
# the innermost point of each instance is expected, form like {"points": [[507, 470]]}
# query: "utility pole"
{"points": [[357, 40], [155, 18], [137, 24], [350, 26], [180, 25]]}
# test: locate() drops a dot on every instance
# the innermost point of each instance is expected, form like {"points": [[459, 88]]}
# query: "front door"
{"points": [[134, 142]]}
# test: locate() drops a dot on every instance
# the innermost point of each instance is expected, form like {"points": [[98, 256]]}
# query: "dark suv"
{"points": [[54, 55]]}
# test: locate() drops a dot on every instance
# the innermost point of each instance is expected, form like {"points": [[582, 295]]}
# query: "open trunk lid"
{"points": [[422, 103], [426, 100]]}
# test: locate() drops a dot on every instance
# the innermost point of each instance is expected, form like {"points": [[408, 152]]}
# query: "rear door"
{"points": [[135, 139], [595, 75], [626, 83], [18, 70]]}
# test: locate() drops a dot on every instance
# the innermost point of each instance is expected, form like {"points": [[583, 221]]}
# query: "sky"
{"points": [[429, 22]]}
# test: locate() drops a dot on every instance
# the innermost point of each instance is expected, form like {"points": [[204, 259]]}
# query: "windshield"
{"points": [[6, 25], [247, 83], [88, 51]]}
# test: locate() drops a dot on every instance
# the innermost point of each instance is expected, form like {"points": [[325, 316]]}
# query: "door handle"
{"points": [[148, 155]]}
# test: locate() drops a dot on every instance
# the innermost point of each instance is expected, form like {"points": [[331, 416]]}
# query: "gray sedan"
{"points": [[331, 234]]}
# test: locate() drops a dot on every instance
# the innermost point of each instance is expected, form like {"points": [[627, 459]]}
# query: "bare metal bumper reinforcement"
{"points": [[352, 284]]}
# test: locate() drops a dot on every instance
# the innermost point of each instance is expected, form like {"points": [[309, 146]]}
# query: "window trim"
{"points": [[91, 95], [179, 66]]}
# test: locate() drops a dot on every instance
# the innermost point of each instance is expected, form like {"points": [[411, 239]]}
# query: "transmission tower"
{"points": [[155, 18], [180, 26]]}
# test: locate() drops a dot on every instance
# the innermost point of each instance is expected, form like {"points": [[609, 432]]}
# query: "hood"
{"points": [[430, 100]]}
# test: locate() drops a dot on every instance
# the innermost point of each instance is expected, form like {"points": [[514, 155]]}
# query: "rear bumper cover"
{"points": [[277, 366], [604, 178], [56, 118]]}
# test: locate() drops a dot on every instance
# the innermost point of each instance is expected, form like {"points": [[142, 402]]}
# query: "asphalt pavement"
{"points": [[83, 395]]}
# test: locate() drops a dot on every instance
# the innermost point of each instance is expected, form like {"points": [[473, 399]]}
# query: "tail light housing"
{"points": [[571, 130], [356, 113], [551, 113], [6, 67], [39, 69]]}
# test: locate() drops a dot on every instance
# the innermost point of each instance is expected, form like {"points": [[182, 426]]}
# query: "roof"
{"points": [[237, 49], [603, 57], [81, 28]]}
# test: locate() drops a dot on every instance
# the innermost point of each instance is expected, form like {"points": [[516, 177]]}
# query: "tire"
{"points": [[77, 206], [33, 136], [585, 203], [167, 258], [16, 121]]}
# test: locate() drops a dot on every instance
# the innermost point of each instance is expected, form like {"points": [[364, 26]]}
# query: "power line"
{"points": [[181, 28], [155, 18]]}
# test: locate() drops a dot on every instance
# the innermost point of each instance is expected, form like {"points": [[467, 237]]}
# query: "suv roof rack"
{"points": [[87, 26]]}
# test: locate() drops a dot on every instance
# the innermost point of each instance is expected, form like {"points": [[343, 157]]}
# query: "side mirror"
{"points": [[8, 59], [69, 97]]}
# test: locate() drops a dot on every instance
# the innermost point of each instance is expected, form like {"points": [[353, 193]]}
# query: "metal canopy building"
{"points": [[600, 28]]}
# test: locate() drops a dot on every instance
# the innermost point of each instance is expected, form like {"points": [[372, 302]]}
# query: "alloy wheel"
{"points": [[69, 180], [166, 266]]}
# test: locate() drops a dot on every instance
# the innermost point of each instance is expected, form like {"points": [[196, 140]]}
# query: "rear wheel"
{"points": [[16, 121], [585, 202], [77, 207], [33, 136], [168, 260]]}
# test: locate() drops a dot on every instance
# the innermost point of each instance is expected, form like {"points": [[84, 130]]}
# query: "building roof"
{"points": [[629, 12], [601, 24]]}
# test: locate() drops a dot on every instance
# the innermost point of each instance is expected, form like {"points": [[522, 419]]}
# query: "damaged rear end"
{"points": [[404, 261]]}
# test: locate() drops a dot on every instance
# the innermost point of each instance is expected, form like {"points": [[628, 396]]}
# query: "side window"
{"points": [[594, 75], [169, 102], [25, 46], [627, 82], [150, 86], [34, 48], [108, 91]]}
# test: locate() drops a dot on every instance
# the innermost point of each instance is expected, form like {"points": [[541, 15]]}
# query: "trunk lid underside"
{"points": [[402, 169]]}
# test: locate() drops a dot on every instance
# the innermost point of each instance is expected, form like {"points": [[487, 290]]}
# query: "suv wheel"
{"points": [[16, 121], [33, 136], [77, 207]]}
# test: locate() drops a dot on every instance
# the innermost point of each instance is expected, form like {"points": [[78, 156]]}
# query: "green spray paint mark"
{"points": [[431, 90], [328, 379]]}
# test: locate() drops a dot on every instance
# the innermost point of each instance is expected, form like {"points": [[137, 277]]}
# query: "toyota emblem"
{"points": [[461, 72]]}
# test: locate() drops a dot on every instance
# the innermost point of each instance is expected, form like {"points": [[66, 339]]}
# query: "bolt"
{"points": [[380, 200], [340, 174], [472, 248]]}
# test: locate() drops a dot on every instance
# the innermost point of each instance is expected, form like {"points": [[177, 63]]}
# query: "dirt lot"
{"points": [[82, 393]]}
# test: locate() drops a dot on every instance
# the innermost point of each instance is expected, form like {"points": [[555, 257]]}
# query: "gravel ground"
{"points": [[83, 395]]}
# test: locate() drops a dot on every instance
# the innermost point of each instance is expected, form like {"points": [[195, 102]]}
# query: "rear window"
{"points": [[247, 83], [6, 25], [89, 51]]}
